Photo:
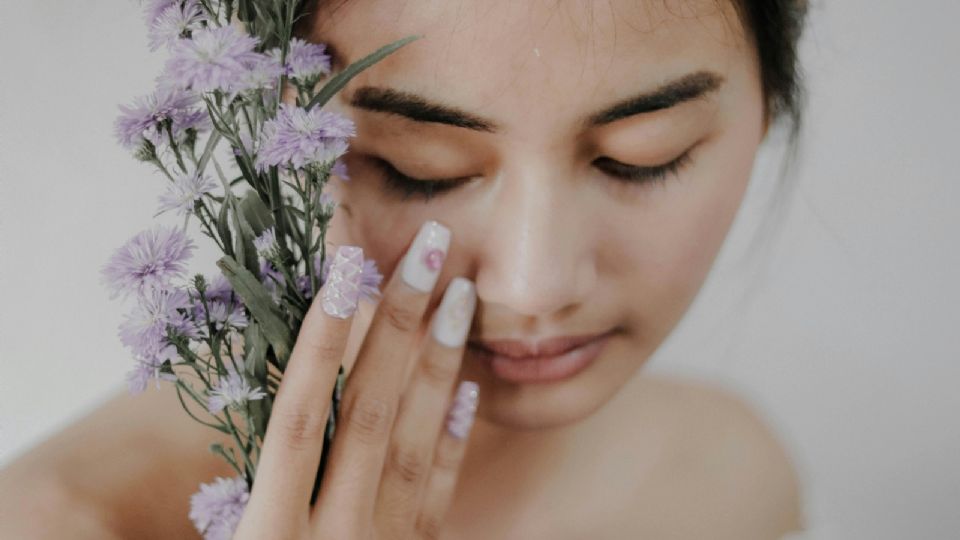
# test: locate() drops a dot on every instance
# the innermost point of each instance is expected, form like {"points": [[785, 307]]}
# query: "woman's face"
{"points": [[557, 243]]}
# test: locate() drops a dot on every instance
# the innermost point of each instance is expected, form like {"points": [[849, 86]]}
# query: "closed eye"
{"points": [[643, 175], [408, 186]]}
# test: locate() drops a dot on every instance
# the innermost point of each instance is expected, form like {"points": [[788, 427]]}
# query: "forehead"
{"points": [[553, 59]]}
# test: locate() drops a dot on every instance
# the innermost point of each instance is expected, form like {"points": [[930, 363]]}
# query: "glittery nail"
{"points": [[341, 292], [463, 409]]}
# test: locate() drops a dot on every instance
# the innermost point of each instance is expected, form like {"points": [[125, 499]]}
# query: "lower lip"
{"points": [[544, 368]]}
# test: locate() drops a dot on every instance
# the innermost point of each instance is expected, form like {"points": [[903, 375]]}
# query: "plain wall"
{"points": [[848, 342]]}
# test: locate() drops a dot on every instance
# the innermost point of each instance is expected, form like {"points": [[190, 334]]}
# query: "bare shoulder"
{"points": [[97, 467], [725, 460]]}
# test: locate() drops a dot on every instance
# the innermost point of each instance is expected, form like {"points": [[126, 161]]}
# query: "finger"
{"points": [[372, 390], [422, 410], [448, 457], [292, 444]]}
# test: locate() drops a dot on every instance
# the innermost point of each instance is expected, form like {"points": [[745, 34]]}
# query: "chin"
{"points": [[553, 404]]}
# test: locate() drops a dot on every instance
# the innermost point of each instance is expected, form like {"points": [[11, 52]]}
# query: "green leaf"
{"points": [[260, 414], [212, 141], [223, 228], [297, 212], [246, 251], [245, 10], [256, 213], [341, 79], [260, 304], [255, 352]]}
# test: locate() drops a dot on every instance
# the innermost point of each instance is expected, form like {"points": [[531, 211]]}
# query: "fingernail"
{"points": [[422, 263], [455, 313], [341, 292], [464, 407]]}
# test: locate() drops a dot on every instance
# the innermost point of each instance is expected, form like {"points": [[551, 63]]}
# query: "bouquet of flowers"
{"points": [[224, 342]]}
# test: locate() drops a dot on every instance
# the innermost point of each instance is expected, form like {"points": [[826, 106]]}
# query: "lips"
{"points": [[539, 362], [526, 349]]}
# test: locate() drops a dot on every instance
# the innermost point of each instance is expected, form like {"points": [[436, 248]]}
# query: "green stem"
{"points": [[213, 15], [233, 463], [180, 385], [233, 360], [252, 433], [206, 225], [176, 149], [243, 449], [308, 233], [276, 206]]}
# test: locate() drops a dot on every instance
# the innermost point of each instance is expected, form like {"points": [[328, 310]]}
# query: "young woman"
{"points": [[562, 175]]}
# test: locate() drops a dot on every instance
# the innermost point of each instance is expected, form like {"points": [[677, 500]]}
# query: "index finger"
{"points": [[294, 438], [372, 391]]}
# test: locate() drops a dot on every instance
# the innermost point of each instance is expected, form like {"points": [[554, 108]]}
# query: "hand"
{"points": [[393, 464]]}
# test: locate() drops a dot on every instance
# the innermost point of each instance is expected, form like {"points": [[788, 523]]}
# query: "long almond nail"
{"points": [[341, 292], [464, 407], [422, 263], [455, 313]]}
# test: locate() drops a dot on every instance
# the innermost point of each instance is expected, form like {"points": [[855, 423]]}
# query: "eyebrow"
{"points": [[419, 109]]}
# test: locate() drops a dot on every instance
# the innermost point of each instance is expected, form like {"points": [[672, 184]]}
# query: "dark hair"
{"points": [[776, 26]]}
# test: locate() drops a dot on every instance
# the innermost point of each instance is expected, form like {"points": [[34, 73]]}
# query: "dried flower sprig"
{"points": [[224, 342]]}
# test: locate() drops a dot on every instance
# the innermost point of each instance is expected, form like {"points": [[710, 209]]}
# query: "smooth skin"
{"points": [[554, 245], [384, 478]]}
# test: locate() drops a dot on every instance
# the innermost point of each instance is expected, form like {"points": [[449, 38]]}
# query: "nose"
{"points": [[538, 254]]}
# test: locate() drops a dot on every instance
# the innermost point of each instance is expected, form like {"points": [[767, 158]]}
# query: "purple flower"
{"points": [[339, 169], [155, 8], [217, 508], [144, 329], [232, 390], [147, 117], [184, 191], [370, 279], [272, 280], [218, 288], [215, 58], [149, 368], [150, 259], [174, 22], [327, 203], [185, 325], [266, 244], [297, 137], [221, 315], [261, 72], [305, 61], [226, 307]]}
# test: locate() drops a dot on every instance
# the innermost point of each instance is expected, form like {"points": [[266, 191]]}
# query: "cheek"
{"points": [[385, 227], [382, 235], [673, 238]]}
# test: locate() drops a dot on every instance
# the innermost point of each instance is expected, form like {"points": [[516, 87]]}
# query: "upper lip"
{"points": [[526, 348]]}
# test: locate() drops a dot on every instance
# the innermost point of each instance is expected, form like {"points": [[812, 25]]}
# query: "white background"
{"points": [[848, 344]]}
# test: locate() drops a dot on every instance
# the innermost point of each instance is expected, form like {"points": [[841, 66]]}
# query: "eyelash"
{"points": [[407, 186], [647, 176]]}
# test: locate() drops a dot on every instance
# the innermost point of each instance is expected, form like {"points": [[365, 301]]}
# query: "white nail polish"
{"points": [[422, 263], [455, 313]]}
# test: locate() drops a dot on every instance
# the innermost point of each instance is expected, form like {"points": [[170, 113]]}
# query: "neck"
{"points": [[506, 466]]}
